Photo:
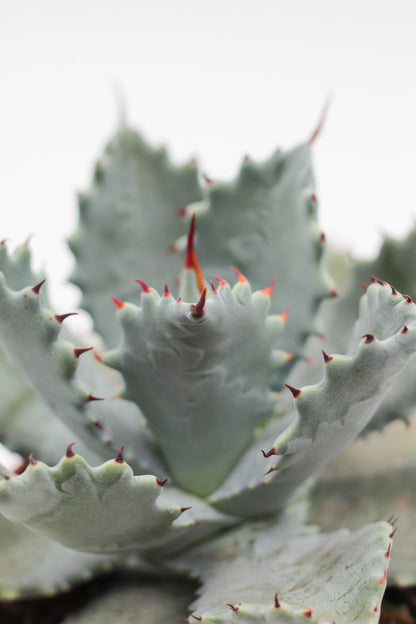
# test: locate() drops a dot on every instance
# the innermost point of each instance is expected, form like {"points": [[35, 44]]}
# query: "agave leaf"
{"points": [[127, 221], [31, 333], [32, 565], [332, 413], [202, 381], [394, 263], [104, 509], [261, 222], [137, 602], [374, 478], [294, 574]]}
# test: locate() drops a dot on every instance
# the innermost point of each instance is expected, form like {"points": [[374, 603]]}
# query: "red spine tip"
{"points": [[120, 459], [214, 291], [268, 291], [334, 292], [322, 237], [96, 423], [91, 397], [166, 292], [69, 451], [119, 304], [78, 352], [61, 317], [327, 358], [376, 280], [221, 281], [408, 299], [393, 290], [232, 607], [364, 286], [276, 602], [162, 482], [98, 357], [197, 309], [405, 329], [189, 256], [295, 391], [241, 278], [368, 338], [308, 612], [36, 289], [269, 453], [32, 460], [284, 315], [145, 287], [185, 509]]}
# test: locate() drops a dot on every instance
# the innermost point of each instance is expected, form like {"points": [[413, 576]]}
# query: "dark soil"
{"points": [[399, 605]]}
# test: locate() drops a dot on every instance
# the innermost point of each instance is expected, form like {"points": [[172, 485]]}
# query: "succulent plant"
{"points": [[200, 462]]}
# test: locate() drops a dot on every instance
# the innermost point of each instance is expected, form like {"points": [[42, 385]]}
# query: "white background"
{"points": [[214, 79]]}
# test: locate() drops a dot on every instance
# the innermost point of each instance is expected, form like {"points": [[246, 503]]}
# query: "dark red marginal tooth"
{"points": [[145, 287], [408, 299], [375, 609], [98, 425], [207, 179], [313, 198], [32, 460], [197, 618], [368, 338], [6, 477], [232, 607], [376, 280], [308, 612], [120, 459], [78, 352], [162, 482], [327, 358], [387, 553], [276, 602], [185, 508], [172, 248], [214, 291], [181, 212], [197, 309], [61, 317], [269, 453], [393, 290], [166, 292], [384, 577], [322, 237], [119, 304], [364, 286], [393, 533], [241, 278], [405, 329], [295, 391], [36, 289], [98, 357], [69, 452], [333, 292], [272, 469], [179, 300], [91, 397]]}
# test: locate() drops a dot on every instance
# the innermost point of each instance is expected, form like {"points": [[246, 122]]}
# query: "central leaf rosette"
{"points": [[200, 369]]}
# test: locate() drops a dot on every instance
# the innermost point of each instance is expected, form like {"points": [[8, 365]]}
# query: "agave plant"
{"points": [[200, 461]]}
